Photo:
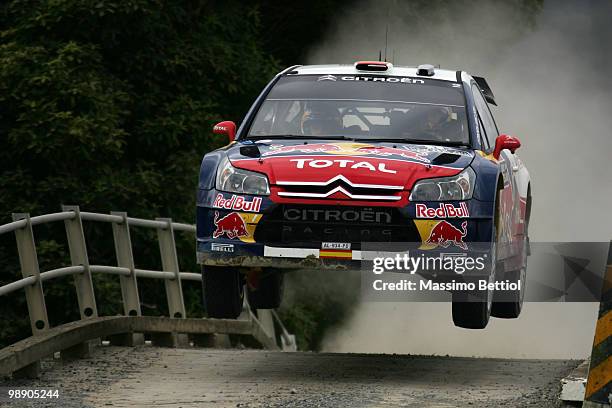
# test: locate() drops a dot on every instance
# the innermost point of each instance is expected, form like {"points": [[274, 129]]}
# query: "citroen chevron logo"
{"points": [[327, 78], [340, 189], [339, 177]]}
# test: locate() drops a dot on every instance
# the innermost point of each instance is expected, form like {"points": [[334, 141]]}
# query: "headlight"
{"points": [[234, 180], [459, 187]]}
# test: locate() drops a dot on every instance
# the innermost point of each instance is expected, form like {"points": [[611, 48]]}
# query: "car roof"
{"points": [[349, 69]]}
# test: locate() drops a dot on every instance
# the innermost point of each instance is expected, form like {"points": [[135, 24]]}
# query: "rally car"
{"points": [[331, 157]]}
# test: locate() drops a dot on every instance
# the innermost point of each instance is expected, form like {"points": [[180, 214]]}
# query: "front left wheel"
{"points": [[223, 289], [472, 309], [508, 304]]}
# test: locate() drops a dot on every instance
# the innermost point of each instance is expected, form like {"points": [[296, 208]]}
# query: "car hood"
{"points": [[384, 164]]}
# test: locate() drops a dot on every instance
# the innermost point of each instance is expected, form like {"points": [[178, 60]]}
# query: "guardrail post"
{"points": [[129, 286], [267, 322], [174, 291], [287, 340], [35, 297], [78, 257], [82, 281]]}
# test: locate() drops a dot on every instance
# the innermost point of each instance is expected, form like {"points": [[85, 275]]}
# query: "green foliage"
{"points": [[315, 301], [109, 105]]}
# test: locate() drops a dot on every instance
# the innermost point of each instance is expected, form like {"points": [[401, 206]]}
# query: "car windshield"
{"points": [[364, 107]]}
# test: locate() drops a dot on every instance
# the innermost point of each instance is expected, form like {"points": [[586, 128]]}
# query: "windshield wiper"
{"points": [[337, 137], [416, 141]]}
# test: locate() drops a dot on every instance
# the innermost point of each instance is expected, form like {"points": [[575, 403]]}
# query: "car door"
{"points": [[509, 211]]}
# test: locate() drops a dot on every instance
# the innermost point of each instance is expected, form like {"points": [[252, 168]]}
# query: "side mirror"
{"points": [[226, 127], [505, 142]]}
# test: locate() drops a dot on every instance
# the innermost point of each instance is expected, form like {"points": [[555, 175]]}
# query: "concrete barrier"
{"points": [[22, 359]]}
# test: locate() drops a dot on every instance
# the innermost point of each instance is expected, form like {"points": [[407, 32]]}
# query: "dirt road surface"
{"points": [[156, 377]]}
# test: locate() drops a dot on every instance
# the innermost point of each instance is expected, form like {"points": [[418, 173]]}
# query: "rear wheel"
{"points": [[223, 292], [508, 304], [269, 291]]}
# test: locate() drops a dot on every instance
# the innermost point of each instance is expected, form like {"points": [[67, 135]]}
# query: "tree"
{"points": [[109, 105]]}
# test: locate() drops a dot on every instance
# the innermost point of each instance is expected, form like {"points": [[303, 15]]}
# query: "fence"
{"points": [[74, 338]]}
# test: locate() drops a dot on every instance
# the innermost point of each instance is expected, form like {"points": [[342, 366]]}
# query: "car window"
{"points": [[364, 106], [485, 115], [484, 141]]}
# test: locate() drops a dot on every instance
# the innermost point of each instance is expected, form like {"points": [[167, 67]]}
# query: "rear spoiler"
{"points": [[486, 89]]}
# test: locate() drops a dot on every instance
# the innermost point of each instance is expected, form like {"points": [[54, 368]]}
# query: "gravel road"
{"points": [[156, 377]]}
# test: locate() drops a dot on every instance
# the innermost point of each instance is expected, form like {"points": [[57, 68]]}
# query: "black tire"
{"points": [[223, 292], [269, 293], [472, 310], [508, 304]]}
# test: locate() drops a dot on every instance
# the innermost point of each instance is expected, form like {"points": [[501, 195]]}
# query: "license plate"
{"points": [[335, 245]]}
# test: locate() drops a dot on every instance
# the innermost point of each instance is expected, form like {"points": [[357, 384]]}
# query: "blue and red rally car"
{"points": [[331, 157]]}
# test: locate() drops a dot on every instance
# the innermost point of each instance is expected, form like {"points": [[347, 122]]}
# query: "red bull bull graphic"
{"points": [[444, 234], [237, 203], [350, 149], [394, 151], [310, 148], [232, 226]]}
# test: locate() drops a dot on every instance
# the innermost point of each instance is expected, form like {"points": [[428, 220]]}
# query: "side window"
{"points": [[483, 136], [485, 116]]}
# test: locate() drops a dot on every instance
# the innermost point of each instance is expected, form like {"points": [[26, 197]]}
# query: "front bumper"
{"points": [[281, 257], [231, 237], [309, 258]]}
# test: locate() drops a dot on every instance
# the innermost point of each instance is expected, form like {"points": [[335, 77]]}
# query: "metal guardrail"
{"points": [[80, 268]]}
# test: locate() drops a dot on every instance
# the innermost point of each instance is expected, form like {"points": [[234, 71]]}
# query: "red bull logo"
{"points": [[444, 234], [232, 225], [238, 203], [310, 148], [444, 210], [393, 151]]}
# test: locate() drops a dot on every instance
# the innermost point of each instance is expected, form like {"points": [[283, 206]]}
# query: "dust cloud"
{"points": [[551, 79]]}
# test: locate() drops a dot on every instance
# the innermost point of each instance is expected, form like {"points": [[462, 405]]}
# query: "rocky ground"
{"points": [[156, 377]]}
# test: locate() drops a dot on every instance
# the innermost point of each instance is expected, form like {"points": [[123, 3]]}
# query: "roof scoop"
{"points": [[376, 66]]}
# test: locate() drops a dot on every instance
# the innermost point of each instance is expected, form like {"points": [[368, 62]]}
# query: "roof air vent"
{"points": [[373, 65], [425, 70]]}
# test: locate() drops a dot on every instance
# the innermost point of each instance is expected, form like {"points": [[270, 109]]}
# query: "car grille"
{"points": [[340, 185], [305, 226]]}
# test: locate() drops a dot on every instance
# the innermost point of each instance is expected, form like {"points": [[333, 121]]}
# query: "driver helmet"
{"points": [[436, 117], [321, 119]]}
